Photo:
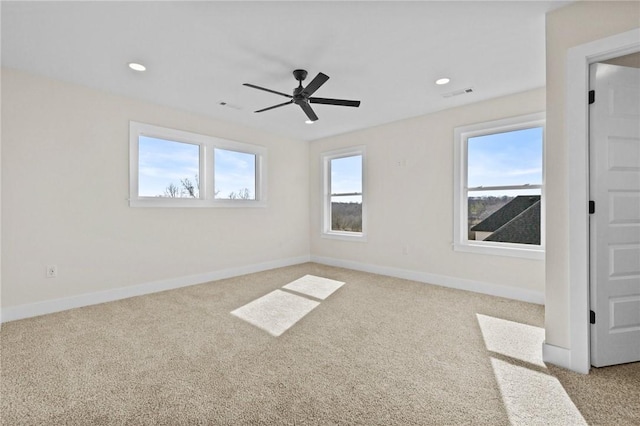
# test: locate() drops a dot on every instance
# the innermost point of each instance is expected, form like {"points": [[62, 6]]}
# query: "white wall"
{"points": [[0, 202], [412, 205], [570, 26], [65, 167]]}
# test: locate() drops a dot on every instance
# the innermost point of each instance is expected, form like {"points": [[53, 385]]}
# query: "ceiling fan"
{"points": [[302, 95]]}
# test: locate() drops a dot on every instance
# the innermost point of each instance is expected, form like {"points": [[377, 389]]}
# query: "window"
{"points": [[235, 175], [499, 187], [172, 168], [343, 201], [161, 161]]}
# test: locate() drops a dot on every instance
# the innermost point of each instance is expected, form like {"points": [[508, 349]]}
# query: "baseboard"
{"points": [[556, 355], [13, 313], [515, 293]]}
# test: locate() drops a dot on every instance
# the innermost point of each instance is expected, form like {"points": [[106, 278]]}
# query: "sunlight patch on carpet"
{"points": [[313, 286], [275, 312], [532, 397], [529, 394], [512, 339]]}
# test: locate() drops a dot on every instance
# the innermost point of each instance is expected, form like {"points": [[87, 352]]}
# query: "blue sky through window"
{"points": [[235, 174], [346, 177], [510, 158], [162, 163]]}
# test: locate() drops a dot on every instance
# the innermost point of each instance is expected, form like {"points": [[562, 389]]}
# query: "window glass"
{"points": [[346, 194], [175, 168], [235, 175], [508, 158], [499, 188], [504, 186], [167, 168]]}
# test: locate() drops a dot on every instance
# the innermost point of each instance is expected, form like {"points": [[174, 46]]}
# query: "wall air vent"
{"points": [[458, 92]]}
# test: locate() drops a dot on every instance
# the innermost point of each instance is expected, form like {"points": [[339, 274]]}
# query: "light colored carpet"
{"points": [[379, 351]]}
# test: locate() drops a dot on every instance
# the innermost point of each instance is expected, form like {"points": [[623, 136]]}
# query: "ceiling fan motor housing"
{"points": [[299, 96]]}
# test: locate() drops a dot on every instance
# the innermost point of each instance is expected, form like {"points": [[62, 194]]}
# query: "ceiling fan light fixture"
{"points": [[309, 121], [137, 67], [442, 81]]}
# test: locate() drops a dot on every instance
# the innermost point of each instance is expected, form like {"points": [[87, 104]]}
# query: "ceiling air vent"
{"points": [[458, 92], [228, 105]]}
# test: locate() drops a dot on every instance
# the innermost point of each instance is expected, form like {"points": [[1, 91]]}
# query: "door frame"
{"points": [[577, 132]]}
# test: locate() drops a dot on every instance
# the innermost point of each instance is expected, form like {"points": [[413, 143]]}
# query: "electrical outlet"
{"points": [[52, 271]]}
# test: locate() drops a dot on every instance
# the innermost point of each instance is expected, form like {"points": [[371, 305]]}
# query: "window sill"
{"points": [[194, 203], [517, 250], [345, 236]]}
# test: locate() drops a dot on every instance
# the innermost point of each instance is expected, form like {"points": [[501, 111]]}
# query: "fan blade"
{"points": [[307, 110], [267, 90], [315, 84], [275, 106], [340, 102]]}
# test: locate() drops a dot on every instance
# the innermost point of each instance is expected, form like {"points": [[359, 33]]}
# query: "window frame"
{"points": [[461, 240], [326, 158], [207, 145]]}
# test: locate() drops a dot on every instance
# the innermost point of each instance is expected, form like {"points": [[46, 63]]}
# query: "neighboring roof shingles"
{"points": [[507, 213], [522, 229]]}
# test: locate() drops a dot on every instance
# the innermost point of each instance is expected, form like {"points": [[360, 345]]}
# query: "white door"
{"points": [[614, 155]]}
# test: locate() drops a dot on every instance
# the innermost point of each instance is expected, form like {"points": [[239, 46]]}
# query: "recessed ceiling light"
{"points": [[309, 121], [442, 81], [137, 67]]}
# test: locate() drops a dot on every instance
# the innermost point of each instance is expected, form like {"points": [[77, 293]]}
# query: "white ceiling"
{"points": [[198, 54]]}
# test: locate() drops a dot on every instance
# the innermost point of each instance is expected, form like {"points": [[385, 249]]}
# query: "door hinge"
{"points": [[592, 317], [592, 207], [592, 96]]}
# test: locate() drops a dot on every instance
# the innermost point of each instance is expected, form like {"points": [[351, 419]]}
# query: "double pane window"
{"points": [[343, 200], [173, 168], [504, 181], [499, 187]]}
